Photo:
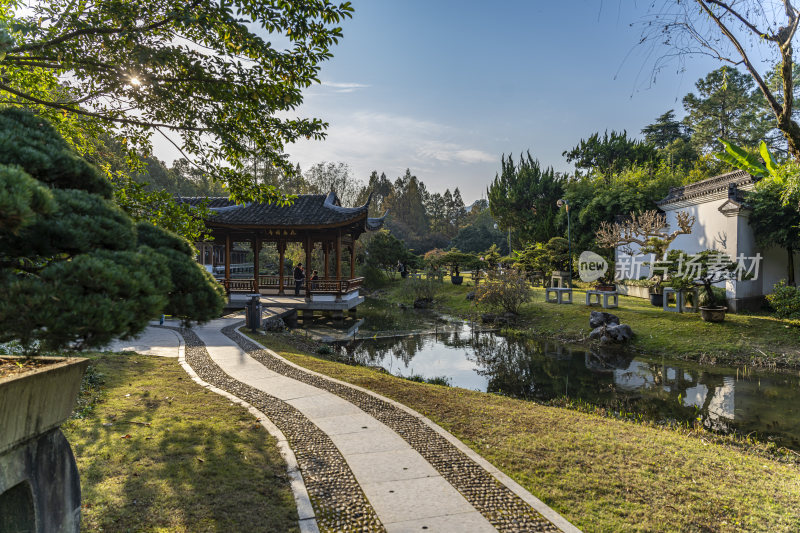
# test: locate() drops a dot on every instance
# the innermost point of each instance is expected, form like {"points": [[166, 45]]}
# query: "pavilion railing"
{"points": [[273, 282], [336, 286], [239, 285], [321, 286]]}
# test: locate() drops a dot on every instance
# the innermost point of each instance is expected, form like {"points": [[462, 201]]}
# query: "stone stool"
{"points": [[559, 295], [681, 300], [612, 295]]}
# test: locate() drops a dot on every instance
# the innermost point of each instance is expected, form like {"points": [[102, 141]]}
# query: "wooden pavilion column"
{"points": [[353, 260], [338, 254], [309, 243], [228, 259], [281, 252], [326, 248], [256, 251]]}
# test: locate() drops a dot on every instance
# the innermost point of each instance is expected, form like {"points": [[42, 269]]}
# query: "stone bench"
{"points": [[606, 296], [560, 295], [682, 303]]}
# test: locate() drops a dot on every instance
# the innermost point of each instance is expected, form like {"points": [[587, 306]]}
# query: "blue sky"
{"points": [[444, 87]]}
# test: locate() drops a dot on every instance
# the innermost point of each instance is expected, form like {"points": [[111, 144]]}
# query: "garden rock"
{"points": [[274, 323], [423, 303], [601, 318], [489, 318], [471, 295], [612, 333]]}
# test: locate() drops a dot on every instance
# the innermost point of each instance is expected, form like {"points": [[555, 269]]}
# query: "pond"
{"points": [[723, 399]]}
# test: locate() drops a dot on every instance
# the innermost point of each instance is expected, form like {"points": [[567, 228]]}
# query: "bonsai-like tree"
{"points": [[701, 270], [648, 229], [75, 271], [456, 260], [492, 257]]}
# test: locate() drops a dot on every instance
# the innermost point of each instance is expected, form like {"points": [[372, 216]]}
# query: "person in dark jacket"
{"points": [[299, 276]]}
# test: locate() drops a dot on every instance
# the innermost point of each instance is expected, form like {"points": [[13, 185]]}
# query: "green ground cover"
{"points": [[756, 339], [157, 452], [601, 474]]}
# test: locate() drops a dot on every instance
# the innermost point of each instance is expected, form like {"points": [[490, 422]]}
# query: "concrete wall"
{"points": [[775, 267], [732, 235]]}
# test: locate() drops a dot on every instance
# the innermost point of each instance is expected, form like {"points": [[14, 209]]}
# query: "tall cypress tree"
{"points": [[523, 197]]}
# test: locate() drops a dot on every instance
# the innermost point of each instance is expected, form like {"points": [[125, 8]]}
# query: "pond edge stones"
{"points": [[607, 329]]}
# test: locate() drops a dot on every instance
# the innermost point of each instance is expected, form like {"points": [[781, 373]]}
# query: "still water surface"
{"points": [[722, 398]]}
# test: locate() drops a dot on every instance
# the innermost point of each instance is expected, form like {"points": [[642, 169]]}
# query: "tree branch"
{"points": [[79, 111], [743, 20], [99, 31], [777, 108]]}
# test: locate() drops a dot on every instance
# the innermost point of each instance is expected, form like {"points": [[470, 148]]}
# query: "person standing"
{"points": [[299, 276]]}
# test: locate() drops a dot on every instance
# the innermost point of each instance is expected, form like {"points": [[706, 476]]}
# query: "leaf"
{"points": [[766, 155], [741, 159]]}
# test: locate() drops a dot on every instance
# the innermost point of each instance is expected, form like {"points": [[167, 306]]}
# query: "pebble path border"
{"points": [[336, 496], [498, 504]]}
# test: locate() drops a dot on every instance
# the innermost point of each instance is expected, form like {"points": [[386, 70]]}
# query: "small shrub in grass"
{"points": [[325, 349], [436, 380], [785, 299], [444, 381], [505, 291], [422, 289], [374, 278]]}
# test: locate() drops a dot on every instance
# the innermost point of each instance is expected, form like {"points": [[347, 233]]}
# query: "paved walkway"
{"points": [[153, 341], [404, 489]]}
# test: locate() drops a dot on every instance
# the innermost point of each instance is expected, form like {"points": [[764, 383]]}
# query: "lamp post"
{"points": [[509, 237], [565, 204]]}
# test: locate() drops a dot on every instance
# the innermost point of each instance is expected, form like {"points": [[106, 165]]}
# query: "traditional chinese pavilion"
{"points": [[316, 221]]}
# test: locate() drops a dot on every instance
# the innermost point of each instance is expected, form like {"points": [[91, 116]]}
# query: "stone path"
{"points": [[153, 341], [368, 463]]}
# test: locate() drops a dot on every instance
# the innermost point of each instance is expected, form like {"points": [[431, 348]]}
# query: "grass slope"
{"points": [[601, 474], [157, 452]]}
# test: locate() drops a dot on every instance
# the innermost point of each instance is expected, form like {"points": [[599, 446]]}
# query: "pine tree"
{"points": [[664, 130], [75, 271], [727, 107]]}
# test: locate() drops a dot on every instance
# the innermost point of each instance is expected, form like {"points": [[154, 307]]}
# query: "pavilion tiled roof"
{"points": [[716, 186], [306, 210]]}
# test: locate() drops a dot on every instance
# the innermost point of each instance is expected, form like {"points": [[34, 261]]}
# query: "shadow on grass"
{"points": [[160, 452]]}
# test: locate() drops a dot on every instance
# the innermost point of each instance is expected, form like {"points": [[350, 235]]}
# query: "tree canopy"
{"points": [[734, 32], [523, 197], [75, 270], [610, 153], [196, 71], [665, 130], [726, 106]]}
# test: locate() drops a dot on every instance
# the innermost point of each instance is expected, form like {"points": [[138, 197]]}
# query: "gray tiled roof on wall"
{"points": [[708, 187]]}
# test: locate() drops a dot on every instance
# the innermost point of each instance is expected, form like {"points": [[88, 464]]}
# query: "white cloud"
{"points": [[344, 87], [449, 152], [436, 153]]}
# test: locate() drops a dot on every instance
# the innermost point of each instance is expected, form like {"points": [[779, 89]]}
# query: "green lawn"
{"points": [[601, 474], [157, 452], [750, 339]]}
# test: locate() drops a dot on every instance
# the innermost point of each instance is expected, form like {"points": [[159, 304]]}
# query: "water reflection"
{"points": [[723, 399]]}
